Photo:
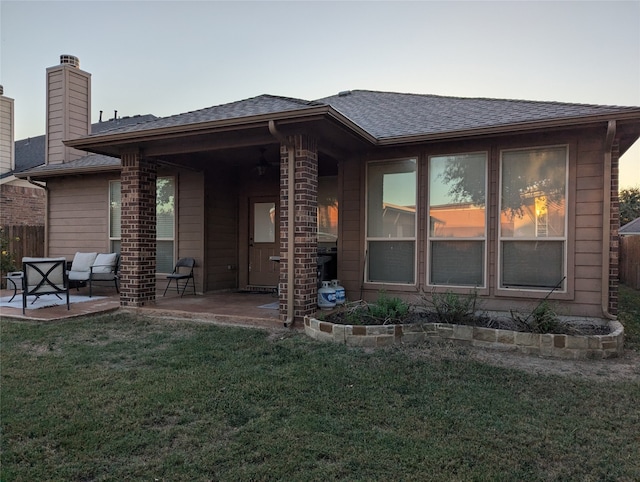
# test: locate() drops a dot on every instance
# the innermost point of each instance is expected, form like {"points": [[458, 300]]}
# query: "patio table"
{"points": [[11, 278]]}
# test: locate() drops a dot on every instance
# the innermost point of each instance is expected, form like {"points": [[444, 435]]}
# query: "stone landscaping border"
{"points": [[547, 345]]}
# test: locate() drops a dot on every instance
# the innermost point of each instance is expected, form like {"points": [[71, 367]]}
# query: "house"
{"points": [[632, 228], [22, 203], [394, 175]]}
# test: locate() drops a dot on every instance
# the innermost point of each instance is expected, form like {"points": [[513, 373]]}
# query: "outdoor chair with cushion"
{"points": [[44, 276], [92, 267], [183, 272]]}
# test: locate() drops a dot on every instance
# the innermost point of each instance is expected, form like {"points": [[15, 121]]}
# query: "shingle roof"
{"points": [[30, 152], [631, 228], [264, 104], [387, 115], [90, 161]]}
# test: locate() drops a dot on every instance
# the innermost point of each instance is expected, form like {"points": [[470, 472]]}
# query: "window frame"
{"points": [[429, 239], [565, 290], [118, 239], [413, 239]]}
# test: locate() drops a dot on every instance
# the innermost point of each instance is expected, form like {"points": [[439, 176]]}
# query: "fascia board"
{"points": [[45, 174], [99, 142], [511, 128]]}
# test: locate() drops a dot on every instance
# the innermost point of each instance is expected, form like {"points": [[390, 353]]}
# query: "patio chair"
{"points": [[92, 267], [44, 276], [183, 272]]}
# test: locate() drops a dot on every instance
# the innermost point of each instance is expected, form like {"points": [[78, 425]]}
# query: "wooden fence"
{"points": [[630, 261], [24, 241]]}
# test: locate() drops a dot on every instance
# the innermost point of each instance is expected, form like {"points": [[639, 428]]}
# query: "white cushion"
{"points": [[83, 261], [44, 264], [104, 263]]}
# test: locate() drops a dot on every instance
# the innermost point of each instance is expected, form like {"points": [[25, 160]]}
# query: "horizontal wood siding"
{"points": [[584, 220], [190, 222], [587, 244], [78, 215], [221, 214], [6, 135], [350, 222]]}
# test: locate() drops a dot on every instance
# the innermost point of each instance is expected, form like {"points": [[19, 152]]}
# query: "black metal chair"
{"points": [[183, 272], [44, 276]]}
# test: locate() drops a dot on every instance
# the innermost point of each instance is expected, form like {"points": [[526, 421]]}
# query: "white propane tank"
{"points": [[326, 296], [340, 293]]}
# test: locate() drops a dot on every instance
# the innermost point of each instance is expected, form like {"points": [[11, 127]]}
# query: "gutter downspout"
{"points": [[606, 218], [46, 213], [290, 220]]}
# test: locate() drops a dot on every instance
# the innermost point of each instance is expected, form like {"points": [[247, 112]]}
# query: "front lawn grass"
{"points": [[123, 398]]}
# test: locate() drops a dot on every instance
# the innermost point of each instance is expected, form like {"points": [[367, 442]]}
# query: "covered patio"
{"points": [[254, 309]]}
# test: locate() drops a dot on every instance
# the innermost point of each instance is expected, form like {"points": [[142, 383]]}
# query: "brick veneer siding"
{"points": [[614, 226], [22, 206], [305, 227], [138, 231]]}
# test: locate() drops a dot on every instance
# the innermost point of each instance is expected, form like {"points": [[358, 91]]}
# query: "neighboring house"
{"points": [[22, 203], [536, 180], [632, 228]]}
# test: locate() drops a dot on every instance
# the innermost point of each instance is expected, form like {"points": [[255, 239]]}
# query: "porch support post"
{"points": [[305, 290], [138, 231]]}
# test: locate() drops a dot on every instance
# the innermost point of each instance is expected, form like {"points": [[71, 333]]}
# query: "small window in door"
{"points": [[264, 228]]}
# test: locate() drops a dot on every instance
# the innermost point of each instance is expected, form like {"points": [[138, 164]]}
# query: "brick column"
{"points": [[305, 227], [138, 231]]}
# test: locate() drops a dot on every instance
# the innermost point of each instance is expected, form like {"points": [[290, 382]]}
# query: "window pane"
{"points": [[391, 197], [533, 193], [165, 208], [391, 261], [164, 257], [532, 264], [264, 229], [458, 263], [328, 209], [457, 196], [115, 204]]}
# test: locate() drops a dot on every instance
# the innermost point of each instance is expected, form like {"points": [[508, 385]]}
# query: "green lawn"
{"points": [[120, 398]]}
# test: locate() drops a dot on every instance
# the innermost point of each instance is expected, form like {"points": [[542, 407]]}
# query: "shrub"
{"points": [[543, 319], [388, 309], [454, 308], [7, 261]]}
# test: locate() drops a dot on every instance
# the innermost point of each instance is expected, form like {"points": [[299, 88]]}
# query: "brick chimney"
{"points": [[7, 146], [68, 109]]}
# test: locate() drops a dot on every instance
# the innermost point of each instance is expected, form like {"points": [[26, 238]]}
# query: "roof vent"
{"points": [[1, 90], [344, 93], [71, 60]]}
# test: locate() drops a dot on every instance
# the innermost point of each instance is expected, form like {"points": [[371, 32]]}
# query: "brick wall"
{"points": [[21, 206], [138, 225]]}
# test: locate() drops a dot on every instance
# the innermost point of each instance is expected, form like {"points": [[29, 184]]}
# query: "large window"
{"points": [[533, 218], [391, 221], [457, 220], [165, 221]]}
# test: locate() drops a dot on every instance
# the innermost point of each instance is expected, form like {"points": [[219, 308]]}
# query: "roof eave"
{"points": [[72, 171], [511, 128], [105, 143]]}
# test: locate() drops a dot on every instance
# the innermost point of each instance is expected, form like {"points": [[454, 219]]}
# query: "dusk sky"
{"points": [[168, 57]]}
